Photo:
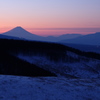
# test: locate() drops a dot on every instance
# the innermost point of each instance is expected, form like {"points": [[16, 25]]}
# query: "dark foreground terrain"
{"points": [[31, 58]]}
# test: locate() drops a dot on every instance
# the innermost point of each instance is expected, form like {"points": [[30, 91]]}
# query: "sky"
{"points": [[51, 17]]}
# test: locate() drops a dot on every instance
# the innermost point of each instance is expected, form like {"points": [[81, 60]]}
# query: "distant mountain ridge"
{"points": [[90, 39], [62, 37], [22, 33]]}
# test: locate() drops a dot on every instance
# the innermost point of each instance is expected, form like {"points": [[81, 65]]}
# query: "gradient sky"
{"points": [[34, 14]]}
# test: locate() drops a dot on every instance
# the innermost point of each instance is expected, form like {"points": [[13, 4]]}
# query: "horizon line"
{"points": [[57, 28], [55, 31]]}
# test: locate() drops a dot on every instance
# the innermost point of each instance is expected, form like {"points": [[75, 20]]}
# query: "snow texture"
{"points": [[86, 68], [48, 88]]}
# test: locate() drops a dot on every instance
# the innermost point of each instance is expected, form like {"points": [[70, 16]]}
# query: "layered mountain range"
{"points": [[90, 39], [23, 34], [20, 33]]}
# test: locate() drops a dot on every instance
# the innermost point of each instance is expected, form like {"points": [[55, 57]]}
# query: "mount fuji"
{"points": [[9, 37], [22, 33]]}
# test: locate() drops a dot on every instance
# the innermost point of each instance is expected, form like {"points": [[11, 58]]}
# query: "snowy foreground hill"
{"points": [[48, 88], [85, 68], [75, 75]]}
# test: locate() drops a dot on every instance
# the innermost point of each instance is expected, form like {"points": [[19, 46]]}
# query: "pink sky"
{"points": [[57, 31], [31, 14]]}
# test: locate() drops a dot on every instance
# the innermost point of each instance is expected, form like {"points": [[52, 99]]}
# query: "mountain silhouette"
{"points": [[8, 37], [90, 39], [61, 37], [22, 33]]}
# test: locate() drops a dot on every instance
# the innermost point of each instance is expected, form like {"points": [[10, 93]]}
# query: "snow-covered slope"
{"points": [[55, 58], [48, 88], [79, 67]]}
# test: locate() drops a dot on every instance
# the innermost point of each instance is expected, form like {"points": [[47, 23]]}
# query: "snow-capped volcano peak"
{"points": [[17, 31], [18, 28], [22, 33]]}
